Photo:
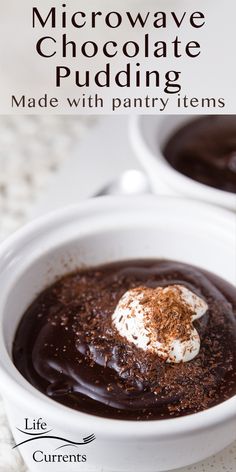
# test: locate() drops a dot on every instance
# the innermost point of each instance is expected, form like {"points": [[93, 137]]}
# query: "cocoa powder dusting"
{"points": [[167, 313]]}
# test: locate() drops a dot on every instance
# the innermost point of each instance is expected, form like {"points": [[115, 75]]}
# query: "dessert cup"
{"points": [[148, 135], [95, 232]]}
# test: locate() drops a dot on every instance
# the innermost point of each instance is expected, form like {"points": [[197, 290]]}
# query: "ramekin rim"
{"points": [[167, 427], [136, 132]]}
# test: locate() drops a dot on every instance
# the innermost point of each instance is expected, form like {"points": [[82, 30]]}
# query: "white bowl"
{"points": [[148, 134], [98, 231]]}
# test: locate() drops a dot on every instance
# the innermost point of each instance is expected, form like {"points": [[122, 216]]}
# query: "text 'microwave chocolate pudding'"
{"points": [[135, 340], [205, 150]]}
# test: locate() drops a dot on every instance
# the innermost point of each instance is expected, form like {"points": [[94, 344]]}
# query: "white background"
{"points": [[23, 71]]}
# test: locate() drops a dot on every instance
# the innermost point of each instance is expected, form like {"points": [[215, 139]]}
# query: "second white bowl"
{"points": [[148, 134]]}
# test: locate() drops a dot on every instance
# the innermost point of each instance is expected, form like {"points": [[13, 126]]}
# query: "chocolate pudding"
{"points": [[205, 150], [136, 340]]}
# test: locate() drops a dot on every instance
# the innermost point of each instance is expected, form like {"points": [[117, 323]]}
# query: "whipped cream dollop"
{"points": [[160, 320]]}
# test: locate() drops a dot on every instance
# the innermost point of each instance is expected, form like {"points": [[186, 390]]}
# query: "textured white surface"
{"points": [[10, 460], [32, 149]]}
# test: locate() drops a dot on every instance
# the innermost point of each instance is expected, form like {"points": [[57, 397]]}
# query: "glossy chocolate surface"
{"points": [[67, 347], [205, 150]]}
